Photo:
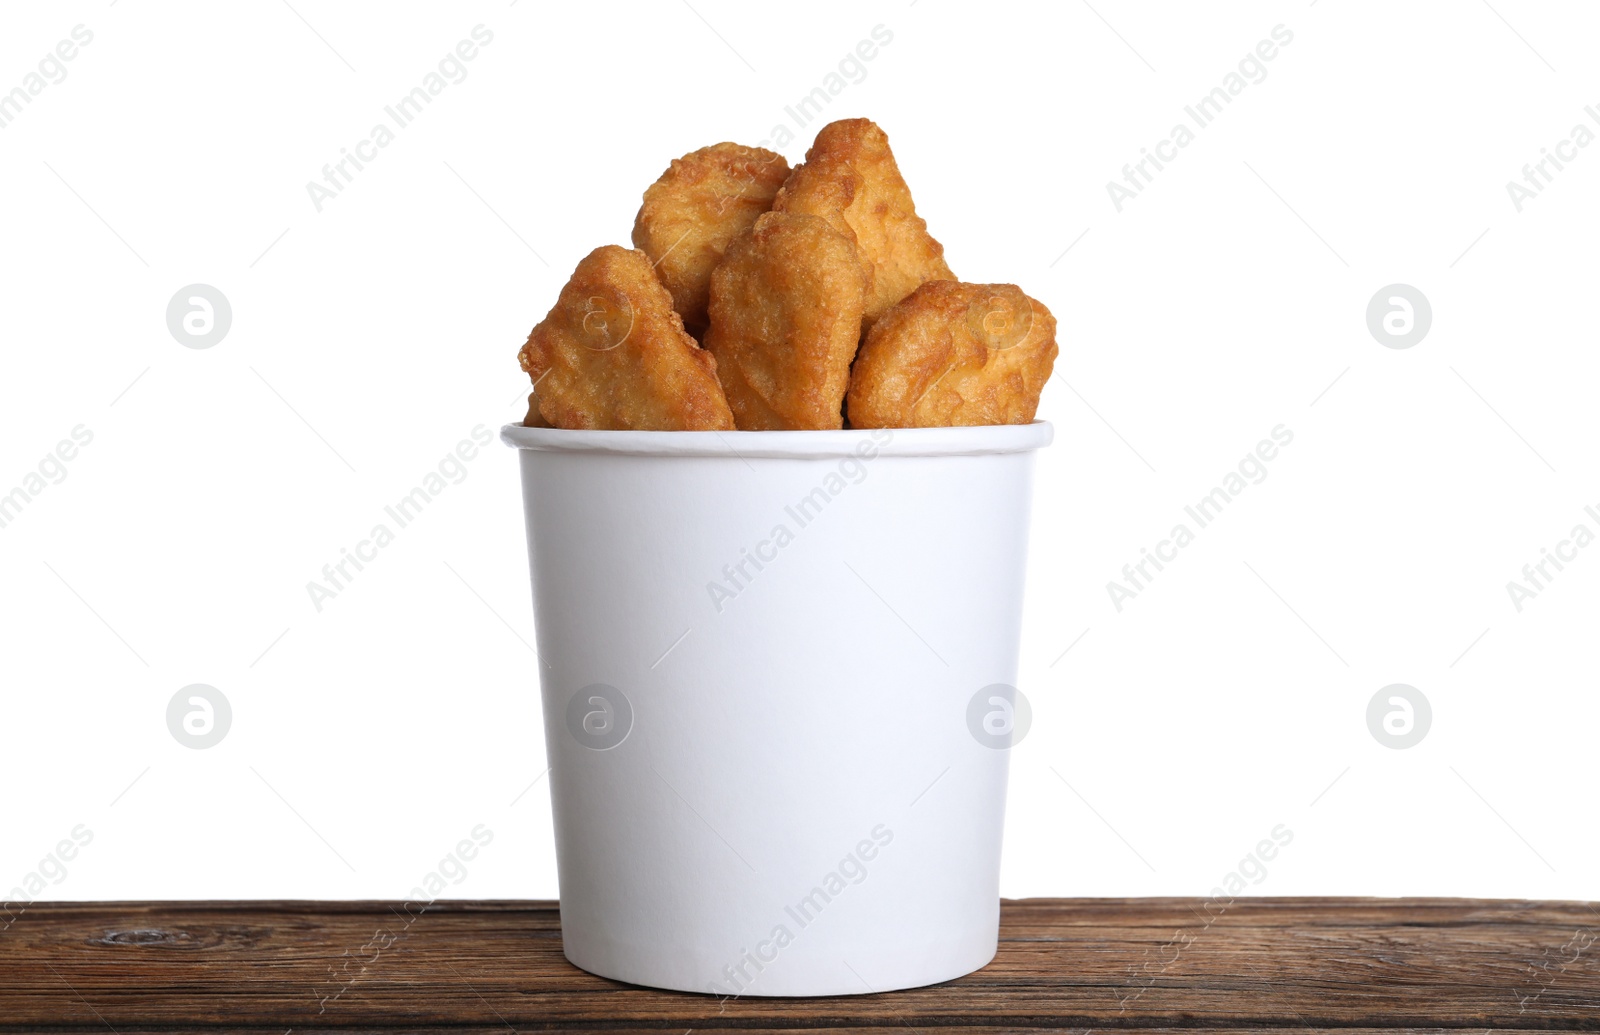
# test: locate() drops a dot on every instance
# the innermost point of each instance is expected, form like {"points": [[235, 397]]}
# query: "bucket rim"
{"points": [[788, 445]]}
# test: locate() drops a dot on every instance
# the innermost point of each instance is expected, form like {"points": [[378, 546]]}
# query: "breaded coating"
{"points": [[613, 355], [954, 355], [695, 210], [534, 419], [850, 179], [786, 308]]}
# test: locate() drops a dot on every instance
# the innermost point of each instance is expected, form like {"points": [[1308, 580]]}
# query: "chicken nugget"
{"points": [[952, 355], [694, 211], [534, 419], [850, 179], [786, 308], [613, 355]]}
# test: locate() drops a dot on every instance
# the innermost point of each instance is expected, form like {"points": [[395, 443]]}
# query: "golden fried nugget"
{"points": [[534, 419], [694, 211], [786, 308], [850, 179], [954, 355], [613, 355]]}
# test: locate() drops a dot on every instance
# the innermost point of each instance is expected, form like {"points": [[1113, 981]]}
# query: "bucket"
{"points": [[777, 672]]}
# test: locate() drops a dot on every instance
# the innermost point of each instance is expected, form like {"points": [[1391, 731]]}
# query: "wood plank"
{"points": [[1067, 964]]}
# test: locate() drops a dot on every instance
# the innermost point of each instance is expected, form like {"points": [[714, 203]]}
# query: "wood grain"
{"points": [[1135, 965]]}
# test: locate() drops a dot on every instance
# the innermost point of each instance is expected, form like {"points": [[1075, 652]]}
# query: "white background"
{"points": [[1228, 298]]}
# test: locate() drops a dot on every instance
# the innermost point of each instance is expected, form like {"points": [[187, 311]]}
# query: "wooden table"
{"points": [[1064, 964]]}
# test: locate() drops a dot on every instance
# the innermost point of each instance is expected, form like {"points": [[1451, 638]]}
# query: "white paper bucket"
{"points": [[775, 671]]}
